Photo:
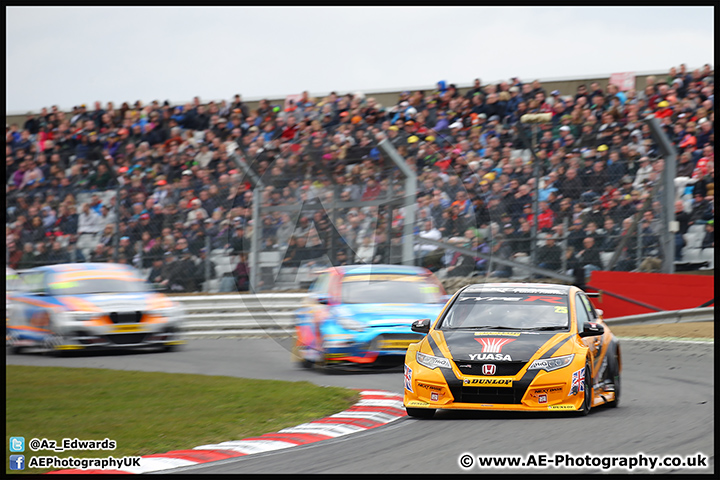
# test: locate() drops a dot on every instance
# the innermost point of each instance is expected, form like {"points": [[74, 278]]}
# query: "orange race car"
{"points": [[531, 347]]}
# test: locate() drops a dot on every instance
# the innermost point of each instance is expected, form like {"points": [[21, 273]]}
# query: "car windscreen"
{"points": [[75, 283], [12, 282], [389, 289], [507, 311]]}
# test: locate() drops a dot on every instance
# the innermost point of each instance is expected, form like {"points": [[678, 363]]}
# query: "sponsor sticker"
{"points": [[494, 382], [499, 334], [539, 391], [129, 327], [416, 403], [429, 387], [561, 407], [395, 344], [490, 356], [494, 345], [542, 398], [434, 396]]}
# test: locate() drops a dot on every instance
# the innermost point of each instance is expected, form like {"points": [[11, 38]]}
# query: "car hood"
{"points": [[110, 302], [473, 346], [386, 314]]}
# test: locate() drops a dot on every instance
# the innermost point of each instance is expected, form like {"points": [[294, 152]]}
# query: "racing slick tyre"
{"points": [[587, 387], [299, 359], [420, 412], [11, 344], [614, 375]]}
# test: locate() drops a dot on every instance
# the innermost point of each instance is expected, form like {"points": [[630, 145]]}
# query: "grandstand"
{"points": [[195, 194]]}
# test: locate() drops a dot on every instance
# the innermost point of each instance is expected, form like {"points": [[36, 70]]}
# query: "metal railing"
{"points": [[273, 315], [677, 316]]}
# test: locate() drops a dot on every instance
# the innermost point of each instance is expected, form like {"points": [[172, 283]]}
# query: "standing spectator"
{"points": [[683, 219], [241, 274], [709, 238]]}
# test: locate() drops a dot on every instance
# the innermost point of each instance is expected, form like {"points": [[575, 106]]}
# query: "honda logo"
{"points": [[489, 369]]}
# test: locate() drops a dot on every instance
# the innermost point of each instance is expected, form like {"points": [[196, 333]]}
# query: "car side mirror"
{"points": [[322, 298], [421, 326], [592, 329]]}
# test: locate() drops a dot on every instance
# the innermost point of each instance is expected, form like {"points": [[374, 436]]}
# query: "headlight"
{"points": [[432, 362], [81, 316], [349, 323], [550, 364]]}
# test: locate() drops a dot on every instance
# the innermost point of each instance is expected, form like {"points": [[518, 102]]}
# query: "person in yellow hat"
{"points": [[412, 139]]}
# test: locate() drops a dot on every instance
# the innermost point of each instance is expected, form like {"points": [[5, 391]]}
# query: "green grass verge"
{"points": [[146, 412]]}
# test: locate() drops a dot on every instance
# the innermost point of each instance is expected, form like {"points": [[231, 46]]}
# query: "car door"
{"points": [[312, 313], [32, 306], [320, 298]]}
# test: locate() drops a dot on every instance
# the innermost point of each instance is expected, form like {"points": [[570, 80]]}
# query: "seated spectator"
{"points": [[156, 271], [58, 254], [89, 222], [589, 256], [423, 249], [610, 238], [28, 257], [574, 268], [461, 265], [366, 252], [205, 269], [499, 249], [549, 256]]}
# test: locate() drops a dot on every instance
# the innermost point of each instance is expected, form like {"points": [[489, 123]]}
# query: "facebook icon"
{"points": [[17, 462]]}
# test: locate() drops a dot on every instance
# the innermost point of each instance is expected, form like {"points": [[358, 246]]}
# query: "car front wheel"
{"points": [[614, 374]]}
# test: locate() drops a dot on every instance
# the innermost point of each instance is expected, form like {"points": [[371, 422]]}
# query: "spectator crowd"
{"points": [[163, 185]]}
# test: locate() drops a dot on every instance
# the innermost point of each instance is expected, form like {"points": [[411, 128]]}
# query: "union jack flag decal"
{"points": [[578, 380], [408, 378]]}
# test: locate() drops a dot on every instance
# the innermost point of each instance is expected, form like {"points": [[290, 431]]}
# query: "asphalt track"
{"points": [[667, 408]]}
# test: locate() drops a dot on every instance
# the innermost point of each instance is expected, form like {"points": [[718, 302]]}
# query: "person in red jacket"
{"points": [[546, 217]]}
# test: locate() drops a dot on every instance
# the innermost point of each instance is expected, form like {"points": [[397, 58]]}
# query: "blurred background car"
{"points": [[361, 314], [81, 306]]}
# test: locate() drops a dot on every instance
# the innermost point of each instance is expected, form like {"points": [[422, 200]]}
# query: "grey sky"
{"points": [[72, 55]]}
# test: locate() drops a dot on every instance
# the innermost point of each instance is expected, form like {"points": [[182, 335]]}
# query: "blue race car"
{"points": [[362, 314], [90, 305]]}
